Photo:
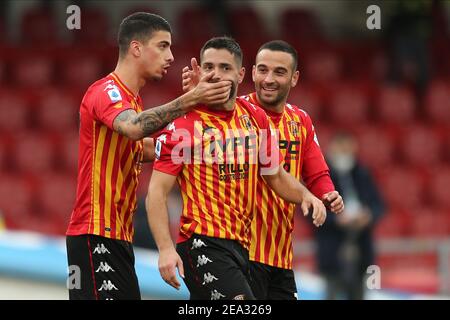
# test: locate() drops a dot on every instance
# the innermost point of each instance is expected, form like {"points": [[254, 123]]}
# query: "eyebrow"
{"points": [[165, 42], [276, 68], [220, 64]]}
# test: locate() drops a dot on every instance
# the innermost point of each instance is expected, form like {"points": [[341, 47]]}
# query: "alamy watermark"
{"points": [[373, 22]]}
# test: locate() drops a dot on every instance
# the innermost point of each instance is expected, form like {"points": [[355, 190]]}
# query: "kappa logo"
{"points": [[202, 260], [104, 267], [197, 243], [107, 286], [101, 249], [208, 278], [216, 295]]}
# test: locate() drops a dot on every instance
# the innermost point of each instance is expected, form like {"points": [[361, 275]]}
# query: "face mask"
{"points": [[343, 163]]}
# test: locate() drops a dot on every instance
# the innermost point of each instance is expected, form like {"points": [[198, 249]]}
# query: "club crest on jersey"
{"points": [[294, 128], [245, 122]]}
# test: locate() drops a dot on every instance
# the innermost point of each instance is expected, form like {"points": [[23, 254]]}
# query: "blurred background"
{"points": [[388, 88]]}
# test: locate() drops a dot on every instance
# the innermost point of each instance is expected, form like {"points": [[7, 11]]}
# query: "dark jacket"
{"points": [[330, 237]]}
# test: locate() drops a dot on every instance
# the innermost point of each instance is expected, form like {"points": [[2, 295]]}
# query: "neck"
{"points": [[278, 108], [129, 75]]}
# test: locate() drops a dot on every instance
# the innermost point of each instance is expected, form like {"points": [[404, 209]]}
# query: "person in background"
{"points": [[345, 246]]}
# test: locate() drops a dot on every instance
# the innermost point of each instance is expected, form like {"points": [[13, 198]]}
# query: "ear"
{"points": [[295, 78], [241, 75], [135, 48], [254, 73]]}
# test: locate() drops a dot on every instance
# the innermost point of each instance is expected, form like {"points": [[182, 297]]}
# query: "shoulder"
{"points": [[105, 90], [252, 109]]}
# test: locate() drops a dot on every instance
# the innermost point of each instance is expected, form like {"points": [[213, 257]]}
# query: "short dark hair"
{"points": [[139, 26], [226, 43], [283, 46]]}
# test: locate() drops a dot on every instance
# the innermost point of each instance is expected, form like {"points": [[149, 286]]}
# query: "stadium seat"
{"points": [[439, 187], [395, 105], [32, 70], [14, 110], [34, 152], [16, 197], [56, 194], [429, 222], [403, 188], [80, 69], [322, 67], [306, 99], [349, 106], [437, 102], [57, 111], [421, 145], [38, 27], [68, 151], [376, 146], [393, 224]]}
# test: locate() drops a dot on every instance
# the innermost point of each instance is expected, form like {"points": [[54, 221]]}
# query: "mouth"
{"points": [[269, 89], [166, 68]]}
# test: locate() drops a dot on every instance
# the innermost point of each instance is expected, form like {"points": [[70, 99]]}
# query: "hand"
{"points": [[363, 219], [168, 261], [333, 202], [190, 77], [207, 92], [319, 213]]}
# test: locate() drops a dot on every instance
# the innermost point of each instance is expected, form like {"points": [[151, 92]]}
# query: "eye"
{"points": [[226, 68]]}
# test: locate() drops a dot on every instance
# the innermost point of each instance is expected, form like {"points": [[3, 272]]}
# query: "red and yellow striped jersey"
{"points": [[108, 164], [217, 163], [273, 222]]}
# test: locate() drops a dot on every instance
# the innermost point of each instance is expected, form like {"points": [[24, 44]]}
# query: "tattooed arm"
{"points": [[139, 125]]}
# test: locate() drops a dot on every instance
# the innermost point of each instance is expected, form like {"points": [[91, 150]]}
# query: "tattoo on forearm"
{"points": [[154, 119]]}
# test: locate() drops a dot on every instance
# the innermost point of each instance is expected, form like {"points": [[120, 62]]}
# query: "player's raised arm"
{"points": [[139, 125]]}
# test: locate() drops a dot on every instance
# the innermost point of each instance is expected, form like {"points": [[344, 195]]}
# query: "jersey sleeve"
{"points": [[315, 172], [172, 149], [108, 103]]}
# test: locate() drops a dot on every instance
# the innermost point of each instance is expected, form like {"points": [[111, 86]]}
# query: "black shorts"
{"points": [[101, 269], [215, 268], [271, 283]]}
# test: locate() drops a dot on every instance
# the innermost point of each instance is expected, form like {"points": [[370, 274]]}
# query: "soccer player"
{"points": [[216, 153], [111, 151], [274, 74]]}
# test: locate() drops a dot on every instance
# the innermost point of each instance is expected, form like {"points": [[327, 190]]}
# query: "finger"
{"points": [[211, 94], [207, 76], [305, 208], [315, 211], [194, 65], [219, 85], [185, 69]]}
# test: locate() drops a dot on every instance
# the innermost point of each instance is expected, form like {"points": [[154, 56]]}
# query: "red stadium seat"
{"points": [[323, 67], [68, 151], [58, 111], [439, 187], [349, 106], [375, 146], [34, 152], [421, 146], [16, 197], [393, 224], [38, 27], [33, 70], [402, 188], [396, 105], [14, 110], [306, 99], [429, 222], [81, 69], [437, 102], [56, 195]]}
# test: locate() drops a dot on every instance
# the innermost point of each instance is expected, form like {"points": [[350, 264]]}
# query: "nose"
{"points": [[269, 78], [170, 59]]}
